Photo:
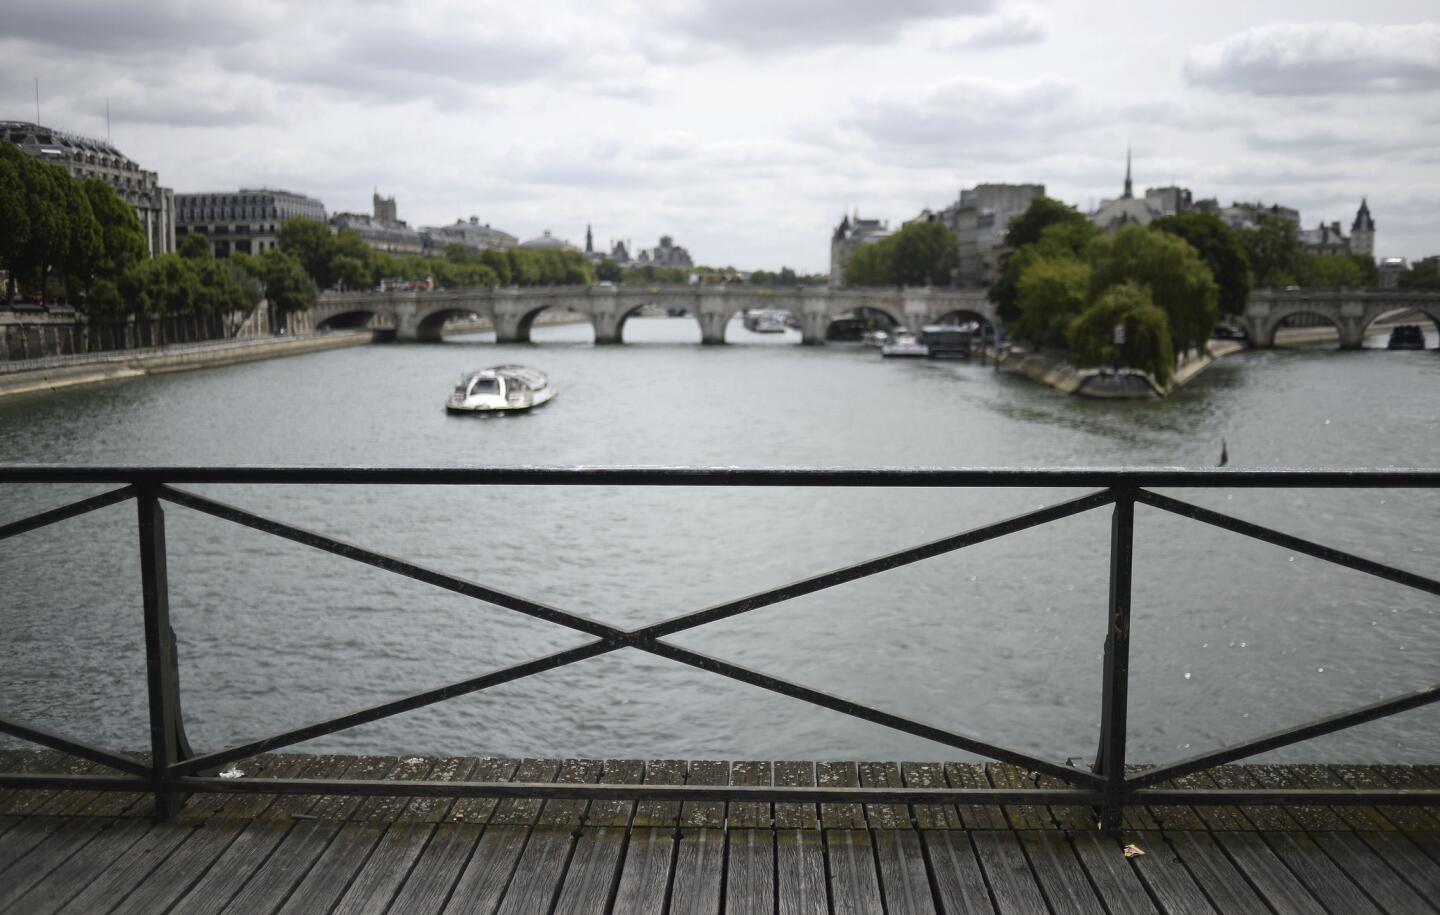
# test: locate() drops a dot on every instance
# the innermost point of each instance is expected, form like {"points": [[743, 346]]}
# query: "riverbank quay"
{"points": [[419, 848], [51, 373], [1054, 369]]}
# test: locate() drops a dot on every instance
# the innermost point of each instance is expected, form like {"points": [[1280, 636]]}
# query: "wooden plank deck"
{"points": [[90, 852]]}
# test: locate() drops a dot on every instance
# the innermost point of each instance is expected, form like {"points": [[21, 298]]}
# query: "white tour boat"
{"points": [[904, 345], [501, 389]]}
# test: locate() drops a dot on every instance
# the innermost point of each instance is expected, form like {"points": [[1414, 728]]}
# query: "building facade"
{"points": [[665, 254], [382, 230], [471, 234], [246, 221], [84, 158], [847, 238]]}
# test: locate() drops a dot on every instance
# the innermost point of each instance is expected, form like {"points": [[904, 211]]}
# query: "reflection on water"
{"points": [[1002, 640]]}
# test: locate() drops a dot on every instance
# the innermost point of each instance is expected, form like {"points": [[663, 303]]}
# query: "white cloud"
{"points": [[756, 25], [1321, 58], [1009, 29]]}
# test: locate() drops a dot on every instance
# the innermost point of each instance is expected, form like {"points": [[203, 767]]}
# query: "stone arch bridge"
{"points": [[1352, 311], [422, 315]]}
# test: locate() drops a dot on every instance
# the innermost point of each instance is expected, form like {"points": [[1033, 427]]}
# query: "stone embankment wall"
{"points": [[51, 373], [1058, 372]]}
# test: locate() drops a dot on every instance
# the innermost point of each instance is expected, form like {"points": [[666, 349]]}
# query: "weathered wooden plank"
{"points": [[387, 867], [750, 814], [959, 881], [1270, 877], [435, 809], [1226, 887], [1073, 818], [283, 870], [486, 876], [234, 867], [434, 876], [1012, 883], [70, 876], [1253, 816], [1357, 818], [1415, 867], [1115, 881], [1409, 819], [515, 811], [1311, 817], [28, 762], [1059, 873], [1414, 818], [650, 854], [839, 816], [1137, 818], [929, 816], [125, 871], [51, 853], [1324, 881], [700, 852], [883, 816], [541, 871], [661, 813], [1378, 879], [56, 802], [645, 879], [800, 884], [1021, 816], [750, 872], [595, 863], [288, 805], [340, 807], [182, 869], [975, 816], [1175, 817], [25, 835], [200, 807], [1166, 876], [795, 774], [121, 803], [334, 869], [854, 882], [479, 809], [904, 879], [384, 809], [1216, 816]]}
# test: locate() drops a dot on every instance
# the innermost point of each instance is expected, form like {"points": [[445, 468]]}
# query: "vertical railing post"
{"points": [[162, 677], [1110, 758]]}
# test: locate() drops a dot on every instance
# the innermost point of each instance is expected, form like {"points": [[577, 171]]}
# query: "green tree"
{"points": [[497, 262], [83, 241], [1053, 292], [1422, 275], [872, 265], [1179, 282], [14, 215], [1273, 250], [1146, 345], [1069, 235], [288, 287], [122, 239], [1220, 248], [311, 243], [352, 272], [1330, 270], [195, 247], [608, 271], [1041, 214], [924, 254]]}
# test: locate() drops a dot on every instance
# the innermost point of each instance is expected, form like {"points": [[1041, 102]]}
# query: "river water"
{"points": [[1232, 638]]}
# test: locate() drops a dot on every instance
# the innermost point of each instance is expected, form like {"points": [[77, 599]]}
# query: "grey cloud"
{"points": [[1330, 58], [760, 25], [1013, 27], [112, 27]]}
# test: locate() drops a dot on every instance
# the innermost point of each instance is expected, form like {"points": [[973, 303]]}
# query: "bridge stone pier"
{"points": [[422, 315], [1352, 311]]}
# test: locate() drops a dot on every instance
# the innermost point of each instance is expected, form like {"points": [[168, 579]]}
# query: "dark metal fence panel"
{"points": [[174, 768]]}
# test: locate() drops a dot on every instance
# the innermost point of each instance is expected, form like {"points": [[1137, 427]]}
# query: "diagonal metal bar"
{"points": [[1317, 728], [359, 554], [866, 713], [394, 707], [72, 510], [74, 747], [1299, 545], [874, 566]]}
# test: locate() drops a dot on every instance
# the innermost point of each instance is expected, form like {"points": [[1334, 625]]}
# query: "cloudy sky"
{"points": [[746, 128]]}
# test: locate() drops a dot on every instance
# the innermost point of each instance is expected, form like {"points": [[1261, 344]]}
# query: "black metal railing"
{"points": [[173, 769]]}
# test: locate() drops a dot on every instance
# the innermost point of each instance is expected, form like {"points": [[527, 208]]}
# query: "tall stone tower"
{"points": [[384, 208], [1362, 231]]}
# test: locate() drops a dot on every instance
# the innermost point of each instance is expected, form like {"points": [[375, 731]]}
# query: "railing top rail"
{"points": [[938, 477]]}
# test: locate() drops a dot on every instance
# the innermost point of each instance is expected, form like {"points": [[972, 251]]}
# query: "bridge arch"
{"points": [[1300, 317], [848, 325], [355, 318], [431, 324], [525, 326], [1432, 313], [675, 311]]}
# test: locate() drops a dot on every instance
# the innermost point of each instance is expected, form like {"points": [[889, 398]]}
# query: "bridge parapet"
{"points": [[1352, 311]]}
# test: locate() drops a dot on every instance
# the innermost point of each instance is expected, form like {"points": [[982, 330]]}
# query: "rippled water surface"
{"points": [[1232, 638]]}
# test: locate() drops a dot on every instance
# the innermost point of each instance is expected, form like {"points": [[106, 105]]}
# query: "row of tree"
{"points": [[1276, 258], [920, 254]]}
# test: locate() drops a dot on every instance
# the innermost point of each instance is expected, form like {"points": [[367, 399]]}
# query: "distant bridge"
{"points": [[1351, 311], [422, 315]]}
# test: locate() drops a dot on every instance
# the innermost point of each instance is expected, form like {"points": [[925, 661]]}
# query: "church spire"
{"points": [[1128, 190], [589, 240]]}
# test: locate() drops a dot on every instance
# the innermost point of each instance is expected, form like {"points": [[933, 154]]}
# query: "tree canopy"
{"points": [[921, 254], [1221, 251], [1179, 281], [1145, 341]]}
